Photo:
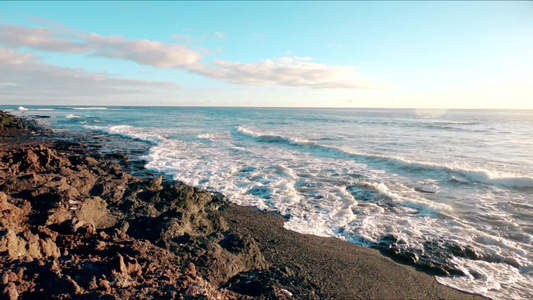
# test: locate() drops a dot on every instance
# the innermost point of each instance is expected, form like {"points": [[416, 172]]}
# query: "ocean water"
{"points": [[450, 190]]}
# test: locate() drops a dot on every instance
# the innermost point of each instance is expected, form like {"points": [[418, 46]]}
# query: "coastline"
{"points": [[75, 224]]}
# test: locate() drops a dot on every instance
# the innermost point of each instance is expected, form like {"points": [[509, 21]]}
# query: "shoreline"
{"points": [[77, 218]]}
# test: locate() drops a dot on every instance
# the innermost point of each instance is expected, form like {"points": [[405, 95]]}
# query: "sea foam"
{"points": [[474, 175], [90, 108], [437, 190], [128, 131]]}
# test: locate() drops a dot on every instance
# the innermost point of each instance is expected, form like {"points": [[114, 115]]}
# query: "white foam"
{"points": [[72, 116], [492, 280], [269, 136], [490, 177], [495, 178], [128, 131], [89, 108], [211, 136], [45, 109], [22, 108], [472, 174], [286, 171]]}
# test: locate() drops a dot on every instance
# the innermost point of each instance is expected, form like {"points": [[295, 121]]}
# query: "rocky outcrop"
{"points": [[72, 226], [8, 121]]}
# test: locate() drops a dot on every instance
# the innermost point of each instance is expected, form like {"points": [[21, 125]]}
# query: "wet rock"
{"points": [[9, 122], [75, 288], [155, 184], [10, 292]]}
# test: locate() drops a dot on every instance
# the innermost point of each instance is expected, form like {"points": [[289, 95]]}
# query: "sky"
{"points": [[391, 54]]}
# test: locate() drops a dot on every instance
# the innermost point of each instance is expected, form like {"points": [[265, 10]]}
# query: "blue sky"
{"points": [[327, 54]]}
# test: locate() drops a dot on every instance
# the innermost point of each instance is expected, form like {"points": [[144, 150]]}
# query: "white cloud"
{"points": [[183, 38], [289, 72], [40, 39], [292, 71], [24, 76], [220, 35], [144, 52], [284, 59], [8, 57], [304, 58]]}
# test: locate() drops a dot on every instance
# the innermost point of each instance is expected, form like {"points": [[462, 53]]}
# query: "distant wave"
{"points": [[89, 108], [129, 132], [22, 108], [72, 116], [472, 175], [484, 176], [209, 136], [452, 127], [272, 138]]}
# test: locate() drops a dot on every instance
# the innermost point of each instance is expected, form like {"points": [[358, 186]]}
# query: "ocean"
{"points": [[448, 190]]}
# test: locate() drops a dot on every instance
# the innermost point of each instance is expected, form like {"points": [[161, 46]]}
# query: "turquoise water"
{"points": [[450, 190]]}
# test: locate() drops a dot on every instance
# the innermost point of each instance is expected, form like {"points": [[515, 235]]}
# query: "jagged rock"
{"points": [[155, 184], [7, 121], [100, 230], [95, 212], [11, 292]]}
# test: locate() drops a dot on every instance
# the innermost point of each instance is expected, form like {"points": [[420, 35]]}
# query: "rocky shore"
{"points": [[75, 224]]}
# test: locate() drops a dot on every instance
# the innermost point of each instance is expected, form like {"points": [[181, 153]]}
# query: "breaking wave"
{"points": [[89, 108], [473, 175]]}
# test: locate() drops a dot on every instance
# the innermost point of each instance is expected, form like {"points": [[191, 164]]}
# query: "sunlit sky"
{"points": [[433, 54]]}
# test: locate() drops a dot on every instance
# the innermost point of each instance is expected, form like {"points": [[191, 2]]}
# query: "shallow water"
{"points": [[450, 190]]}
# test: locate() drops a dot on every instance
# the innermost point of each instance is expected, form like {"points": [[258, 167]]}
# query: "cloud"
{"points": [[8, 57], [284, 59], [39, 39], [287, 59], [24, 76], [187, 39], [304, 58], [220, 35], [293, 71], [289, 72], [144, 52]]}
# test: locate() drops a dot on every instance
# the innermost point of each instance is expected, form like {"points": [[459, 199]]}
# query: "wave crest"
{"points": [[472, 175], [89, 108], [129, 132]]}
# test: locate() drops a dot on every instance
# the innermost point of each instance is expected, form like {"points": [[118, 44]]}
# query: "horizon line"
{"points": [[274, 107]]}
